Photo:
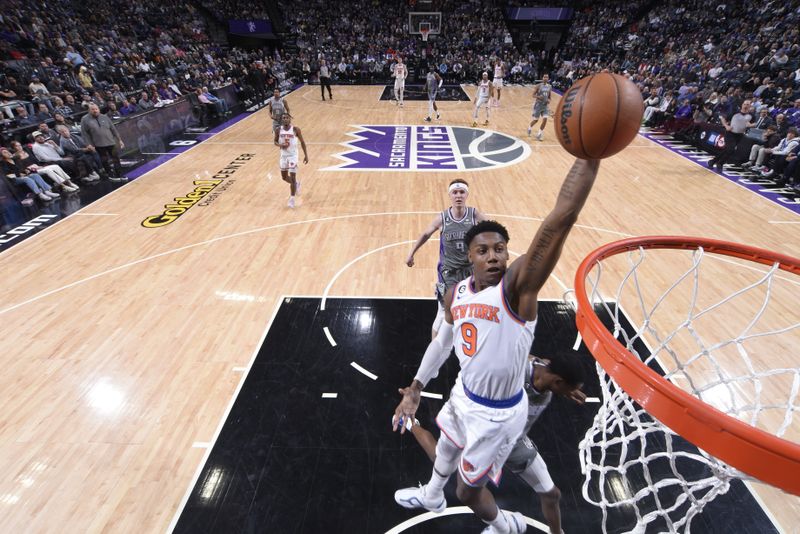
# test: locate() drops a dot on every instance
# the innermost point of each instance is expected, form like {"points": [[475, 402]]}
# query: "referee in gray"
{"points": [[98, 131], [324, 79], [739, 124]]}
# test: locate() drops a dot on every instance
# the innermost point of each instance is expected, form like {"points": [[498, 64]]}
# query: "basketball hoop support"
{"points": [[760, 454]]}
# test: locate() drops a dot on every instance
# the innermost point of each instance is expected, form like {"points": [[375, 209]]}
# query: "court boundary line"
{"points": [[212, 443]]}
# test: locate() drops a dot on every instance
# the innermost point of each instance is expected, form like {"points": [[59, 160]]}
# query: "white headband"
{"points": [[458, 185]]}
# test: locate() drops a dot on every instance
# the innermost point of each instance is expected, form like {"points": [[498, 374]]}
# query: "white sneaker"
{"points": [[94, 176], [529, 132], [52, 194], [45, 198], [68, 188], [540, 135], [415, 498], [516, 524], [291, 202]]}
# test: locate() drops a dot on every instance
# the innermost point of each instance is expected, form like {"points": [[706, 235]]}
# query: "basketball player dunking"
{"points": [[483, 99], [432, 84], [541, 101], [491, 317], [286, 138], [277, 108], [497, 81], [454, 264], [400, 74], [562, 376]]}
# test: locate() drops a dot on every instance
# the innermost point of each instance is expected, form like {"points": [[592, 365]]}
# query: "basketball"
{"points": [[599, 116]]}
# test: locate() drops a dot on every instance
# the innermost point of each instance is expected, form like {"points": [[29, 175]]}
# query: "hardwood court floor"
{"points": [[123, 345]]}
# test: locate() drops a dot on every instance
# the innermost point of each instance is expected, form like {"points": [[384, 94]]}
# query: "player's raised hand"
{"points": [[410, 260], [407, 408]]}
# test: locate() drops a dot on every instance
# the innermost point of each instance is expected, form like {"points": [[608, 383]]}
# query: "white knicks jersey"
{"points": [[492, 343], [498, 71], [287, 135], [400, 72], [483, 89]]}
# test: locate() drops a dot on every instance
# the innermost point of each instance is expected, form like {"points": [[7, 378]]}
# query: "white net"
{"points": [[726, 331]]}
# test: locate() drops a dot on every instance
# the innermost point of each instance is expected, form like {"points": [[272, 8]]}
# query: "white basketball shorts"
{"points": [[289, 163], [485, 435], [498, 82]]}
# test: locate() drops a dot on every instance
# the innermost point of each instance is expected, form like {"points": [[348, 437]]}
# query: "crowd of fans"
{"points": [[694, 63], [698, 63], [359, 40]]}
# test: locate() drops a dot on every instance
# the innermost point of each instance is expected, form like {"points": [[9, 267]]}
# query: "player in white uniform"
{"points": [[493, 316], [497, 81], [286, 138], [564, 376], [483, 99], [400, 74]]}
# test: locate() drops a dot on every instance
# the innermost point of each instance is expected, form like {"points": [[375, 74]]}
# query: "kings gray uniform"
{"points": [[278, 109], [431, 85], [454, 264], [524, 452], [540, 108]]}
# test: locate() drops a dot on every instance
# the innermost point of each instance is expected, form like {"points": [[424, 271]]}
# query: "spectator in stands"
{"points": [[85, 156], [49, 135], [23, 119], [144, 101], [781, 124], [763, 120], [85, 78], [99, 132], [53, 172], [67, 122], [790, 173], [778, 155], [219, 103], [118, 96], [48, 151], [758, 152], [43, 113], [70, 102], [655, 114], [31, 180], [129, 108], [60, 107], [793, 114], [736, 128]]}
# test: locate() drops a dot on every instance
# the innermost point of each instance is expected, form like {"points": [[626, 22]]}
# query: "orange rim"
{"points": [[760, 454]]}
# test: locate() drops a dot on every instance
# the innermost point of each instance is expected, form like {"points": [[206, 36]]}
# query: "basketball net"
{"points": [[636, 468], [424, 34]]}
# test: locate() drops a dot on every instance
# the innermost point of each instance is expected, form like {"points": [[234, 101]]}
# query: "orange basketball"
{"points": [[599, 116]]}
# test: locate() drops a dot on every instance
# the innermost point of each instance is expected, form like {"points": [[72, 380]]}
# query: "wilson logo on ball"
{"points": [[429, 148], [566, 113]]}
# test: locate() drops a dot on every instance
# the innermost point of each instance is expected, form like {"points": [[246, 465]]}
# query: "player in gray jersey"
{"points": [[453, 224], [541, 100], [562, 375], [277, 107], [432, 84]]}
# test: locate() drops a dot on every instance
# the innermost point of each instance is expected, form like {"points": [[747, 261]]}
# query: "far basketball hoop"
{"points": [[425, 31], [424, 23]]}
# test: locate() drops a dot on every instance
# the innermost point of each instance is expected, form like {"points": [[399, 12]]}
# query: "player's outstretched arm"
{"points": [[432, 228], [531, 270], [435, 355]]}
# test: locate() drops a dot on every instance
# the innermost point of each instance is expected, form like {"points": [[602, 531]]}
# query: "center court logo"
{"points": [[429, 148]]}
